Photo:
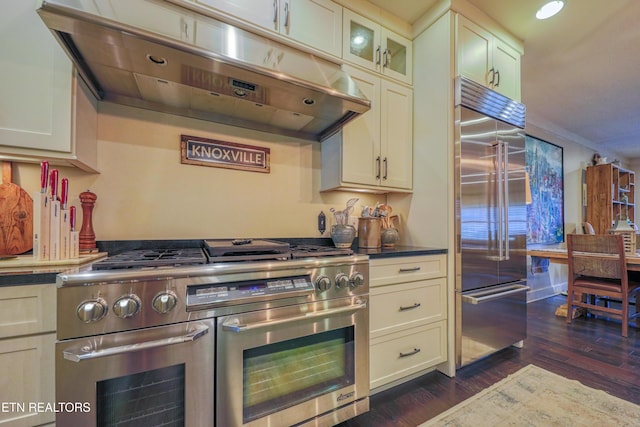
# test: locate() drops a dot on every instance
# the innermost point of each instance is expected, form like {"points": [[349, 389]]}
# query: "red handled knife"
{"points": [[64, 192], [44, 176], [72, 218], [53, 183]]}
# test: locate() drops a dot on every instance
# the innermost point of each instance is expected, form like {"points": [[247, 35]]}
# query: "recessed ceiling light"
{"points": [[549, 9]]}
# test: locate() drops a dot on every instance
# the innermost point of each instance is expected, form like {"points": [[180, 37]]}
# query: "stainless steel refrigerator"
{"points": [[490, 209]]}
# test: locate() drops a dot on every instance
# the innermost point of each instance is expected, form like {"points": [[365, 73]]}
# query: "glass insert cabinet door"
{"points": [[374, 47], [395, 56], [363, 43]]}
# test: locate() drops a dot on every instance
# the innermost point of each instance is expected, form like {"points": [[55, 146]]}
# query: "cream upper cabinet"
{"points": [[375, 151], [45, 113], [314, 23], [374, 47], [152, 16], [487, 60]]}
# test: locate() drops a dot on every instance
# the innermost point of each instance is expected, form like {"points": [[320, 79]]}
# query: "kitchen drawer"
{"points": [[397, 355], [406, 269], [28, 309], [395, 307]]}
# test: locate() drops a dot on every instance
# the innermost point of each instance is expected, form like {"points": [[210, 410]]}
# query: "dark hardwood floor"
{"points": [[590, 350]]}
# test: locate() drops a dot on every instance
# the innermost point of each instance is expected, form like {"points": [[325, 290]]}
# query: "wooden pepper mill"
{"points": [[87, 235]]}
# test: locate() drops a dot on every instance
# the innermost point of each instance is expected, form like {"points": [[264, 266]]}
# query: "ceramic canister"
{"points": [[369, 232]]}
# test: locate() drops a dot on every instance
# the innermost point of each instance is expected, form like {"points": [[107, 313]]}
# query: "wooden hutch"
{"points": [[610, 196]]}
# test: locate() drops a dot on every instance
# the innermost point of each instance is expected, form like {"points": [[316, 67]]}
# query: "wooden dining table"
{"points": [[558, 255]]}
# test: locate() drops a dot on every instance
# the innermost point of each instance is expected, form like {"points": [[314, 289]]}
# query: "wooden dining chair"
{"points": [[598, 268], [587, 228]]}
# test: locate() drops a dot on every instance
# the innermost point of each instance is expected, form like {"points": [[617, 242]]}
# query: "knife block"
{"points": [[87, 235]]}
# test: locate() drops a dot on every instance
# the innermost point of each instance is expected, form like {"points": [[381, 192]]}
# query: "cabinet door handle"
{"points": [[409, 270], [492, 72], [378, 56], [386, 168], [411, 353], [410, 307], [378, 167], [387, 53], [286, 15], [185, 29], [275, 12], [498, 75]]}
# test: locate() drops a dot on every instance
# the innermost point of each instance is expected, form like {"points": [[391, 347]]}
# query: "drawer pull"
{"points": [[409, 270], [411, 353], [411, 307]]}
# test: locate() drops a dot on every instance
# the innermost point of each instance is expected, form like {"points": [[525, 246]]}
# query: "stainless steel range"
{"points": [[216, 337]]}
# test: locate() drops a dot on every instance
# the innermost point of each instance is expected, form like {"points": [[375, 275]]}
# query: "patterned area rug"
{"points": [[536, 397]]}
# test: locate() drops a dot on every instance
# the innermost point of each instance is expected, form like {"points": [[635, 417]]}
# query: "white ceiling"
{"points": [[580, 70]]}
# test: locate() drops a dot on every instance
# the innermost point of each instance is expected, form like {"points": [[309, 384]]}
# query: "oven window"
{"points": [[149, 398], [283, 374]]}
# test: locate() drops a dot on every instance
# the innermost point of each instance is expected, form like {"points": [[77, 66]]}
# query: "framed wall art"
{"points": [[545, 212]]}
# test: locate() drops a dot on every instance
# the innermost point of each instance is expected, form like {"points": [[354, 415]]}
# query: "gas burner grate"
{"points": [[152, 258]]}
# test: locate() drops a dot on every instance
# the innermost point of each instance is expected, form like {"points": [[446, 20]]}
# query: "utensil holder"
{"points": [[369, 233]]}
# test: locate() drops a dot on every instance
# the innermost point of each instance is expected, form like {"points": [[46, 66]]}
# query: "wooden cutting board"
{"points": [[16, 216]]}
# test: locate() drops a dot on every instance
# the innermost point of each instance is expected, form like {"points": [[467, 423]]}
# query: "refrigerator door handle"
{"points": [[505, 198], [487, 295], [500, 191]]}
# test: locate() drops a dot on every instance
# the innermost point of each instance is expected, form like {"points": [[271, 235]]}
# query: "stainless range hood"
{"points": [[173, 58]]}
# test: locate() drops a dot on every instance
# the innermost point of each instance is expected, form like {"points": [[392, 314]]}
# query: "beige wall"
{"points": [[144, 192]]}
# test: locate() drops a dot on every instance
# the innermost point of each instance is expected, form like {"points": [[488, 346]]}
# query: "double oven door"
{"points": [[294, 364], [153, 376]]}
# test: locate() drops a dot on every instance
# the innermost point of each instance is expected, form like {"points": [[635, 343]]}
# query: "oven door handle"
{"points": [[233, 325], [199, 332]]}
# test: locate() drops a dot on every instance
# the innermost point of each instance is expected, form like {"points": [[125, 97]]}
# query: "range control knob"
{"points": [[357, 279], [127, 306], [92, 310], [342, 280], [323, 283], [164, 302]]}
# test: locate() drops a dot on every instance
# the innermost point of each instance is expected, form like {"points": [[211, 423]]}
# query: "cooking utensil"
{"points": [[16, 215], [41, 216], [44, 176], [64, 193], [54, 221], [74, 236], [65, 225]]}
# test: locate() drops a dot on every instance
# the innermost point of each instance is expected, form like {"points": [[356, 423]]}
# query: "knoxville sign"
{"points": [[222, 154]]}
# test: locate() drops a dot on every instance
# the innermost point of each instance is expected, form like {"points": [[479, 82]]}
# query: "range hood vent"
{"points": [[176, 59]]}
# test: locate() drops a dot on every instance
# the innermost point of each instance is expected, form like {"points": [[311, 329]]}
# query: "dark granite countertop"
{"points": [[28, 278], [26, 272], [399, 251]]}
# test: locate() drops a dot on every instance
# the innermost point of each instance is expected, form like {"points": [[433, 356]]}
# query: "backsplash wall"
{"points": [[144, 192]]}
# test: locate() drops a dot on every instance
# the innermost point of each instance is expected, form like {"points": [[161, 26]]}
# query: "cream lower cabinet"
{"points": [[27, 348], [375, 151], [408, 312]]}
